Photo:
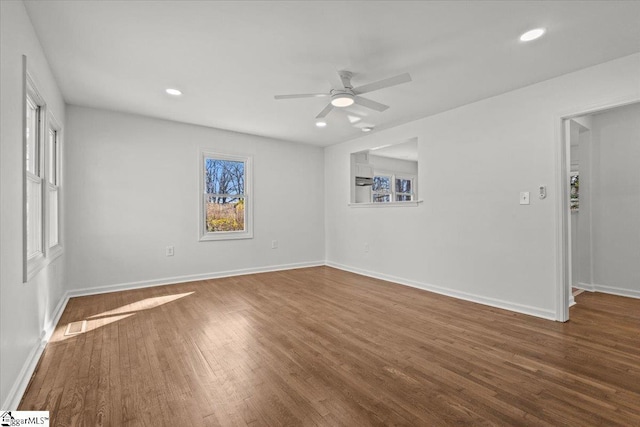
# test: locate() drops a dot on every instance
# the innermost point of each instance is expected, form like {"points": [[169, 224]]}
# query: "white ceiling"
{"points": [[231, 58]]}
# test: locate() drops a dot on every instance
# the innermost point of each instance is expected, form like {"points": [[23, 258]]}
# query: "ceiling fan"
{"points": [[351, 95]]}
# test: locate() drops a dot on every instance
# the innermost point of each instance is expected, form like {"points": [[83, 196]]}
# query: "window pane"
{"points": [[224, 213], [381, 184], [32, 137], [403, 198], [53, 156], [34, 217], [403, 185], [381, 198], [53, 217], [223, 176]]}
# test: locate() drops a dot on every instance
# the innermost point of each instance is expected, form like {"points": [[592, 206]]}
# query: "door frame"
{"points": [[563, 213]]}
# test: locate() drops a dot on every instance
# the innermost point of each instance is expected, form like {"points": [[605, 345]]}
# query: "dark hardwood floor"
{"points": [[320, 346]]}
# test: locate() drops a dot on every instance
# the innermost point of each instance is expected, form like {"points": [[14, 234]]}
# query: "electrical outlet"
{"points": [[274, 244], [169, 251]]}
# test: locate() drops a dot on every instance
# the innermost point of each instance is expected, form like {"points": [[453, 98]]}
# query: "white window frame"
{"points": [[392, 193], [247, 233], [406, 177], [32, 263], [54, 250]]}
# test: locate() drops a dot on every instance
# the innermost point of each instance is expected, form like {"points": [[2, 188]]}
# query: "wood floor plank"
{"points": [[323, 347]]}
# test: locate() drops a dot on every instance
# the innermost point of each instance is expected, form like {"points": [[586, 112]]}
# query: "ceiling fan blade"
{"points": [[302, 95], [381, 84], [326, 111], [369, 103]]}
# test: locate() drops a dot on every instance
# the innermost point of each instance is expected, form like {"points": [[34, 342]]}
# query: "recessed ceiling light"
{"points": [[321, 124], [174, 92], [367, 129], [532, 34]]}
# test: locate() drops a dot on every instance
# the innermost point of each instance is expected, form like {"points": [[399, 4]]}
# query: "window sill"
{"points": [[54, 252], [37, 263], [34, 265], [212, 237], [386, 204]]}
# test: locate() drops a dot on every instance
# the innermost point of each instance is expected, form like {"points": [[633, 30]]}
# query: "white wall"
{"points": [[26, 309], [132, 189], [471, 238], [616, 200]]}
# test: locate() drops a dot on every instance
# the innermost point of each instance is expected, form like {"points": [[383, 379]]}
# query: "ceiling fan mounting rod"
{"points": [[345, 76]]}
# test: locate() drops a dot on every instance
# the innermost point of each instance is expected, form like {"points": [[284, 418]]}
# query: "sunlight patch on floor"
{"points": [[99, 320], [145, 304]]}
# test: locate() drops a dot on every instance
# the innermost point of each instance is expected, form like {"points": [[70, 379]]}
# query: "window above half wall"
{"points": [[385, 175]]}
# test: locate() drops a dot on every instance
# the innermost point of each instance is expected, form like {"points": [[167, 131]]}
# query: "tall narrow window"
{"points": [[53, 184], [33, 181], [225, 210]]}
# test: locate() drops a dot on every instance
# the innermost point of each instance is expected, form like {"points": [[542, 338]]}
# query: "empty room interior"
{"points": [[332, 213]]}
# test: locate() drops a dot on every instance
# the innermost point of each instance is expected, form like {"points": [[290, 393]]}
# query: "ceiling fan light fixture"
{"points": [[342, 100], [321, 123]]}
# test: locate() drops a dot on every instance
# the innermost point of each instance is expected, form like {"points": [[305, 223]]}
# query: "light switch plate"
{"points": [[524, 197]]}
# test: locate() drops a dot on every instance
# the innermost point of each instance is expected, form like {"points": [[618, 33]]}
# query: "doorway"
{"points": [[600, 203]]}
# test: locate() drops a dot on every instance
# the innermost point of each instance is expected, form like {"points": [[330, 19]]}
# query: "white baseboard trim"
{"points": [[493, 302], [594, 287], [584, 286], [572, 300], [22, 382], [20, 385], [31, 363], [188, 278], [55, 318], [631, 293]]}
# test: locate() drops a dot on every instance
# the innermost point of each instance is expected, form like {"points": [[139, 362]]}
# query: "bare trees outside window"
{"points": [[383, 190], [224, 180], [224, 211]]}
